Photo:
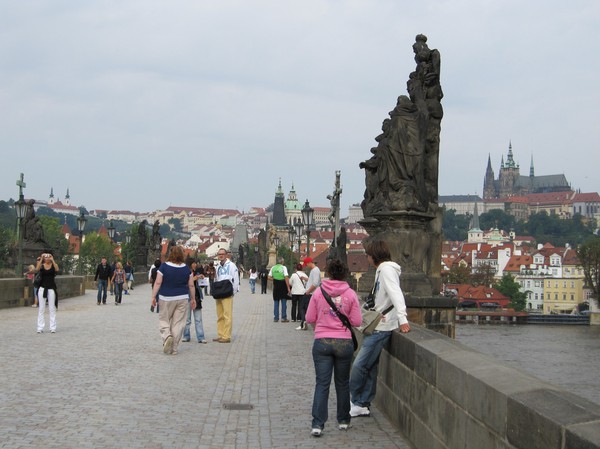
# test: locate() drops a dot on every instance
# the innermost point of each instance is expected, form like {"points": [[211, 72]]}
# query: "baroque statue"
{"points": [[402, 174]]}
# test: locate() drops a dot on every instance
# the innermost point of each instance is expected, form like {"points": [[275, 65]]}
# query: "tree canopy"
{"points": [[589, 258]]}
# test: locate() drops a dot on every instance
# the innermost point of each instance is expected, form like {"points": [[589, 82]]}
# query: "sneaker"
{"points": [[285, 320], [203, 342], [174, 352], [344, 426], [168, 345], [53, 331], [97, 304], [299, 328], [357, 410], [40, 332], [316, 432], [275, 320], [305, 327], [34, 305], [184, 340]]}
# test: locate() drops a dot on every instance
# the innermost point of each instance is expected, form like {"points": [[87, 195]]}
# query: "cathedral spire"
{"points": [[531, 171]]}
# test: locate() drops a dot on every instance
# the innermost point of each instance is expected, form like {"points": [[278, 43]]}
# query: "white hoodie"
{"points": [[388, 292]]}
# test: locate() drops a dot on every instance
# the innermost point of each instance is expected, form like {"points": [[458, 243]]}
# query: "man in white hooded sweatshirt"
{"points": [[363, 377]]}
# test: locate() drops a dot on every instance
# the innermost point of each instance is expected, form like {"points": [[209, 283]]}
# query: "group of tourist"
{"points": [[116, 278], [331, 306]]}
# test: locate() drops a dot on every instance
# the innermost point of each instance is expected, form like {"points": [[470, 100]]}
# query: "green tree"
{"points": [[511, 288], [455, 227], [458, 274], [588, 254], [483, 275], [7, 243], [496, 218], [93, 249]]}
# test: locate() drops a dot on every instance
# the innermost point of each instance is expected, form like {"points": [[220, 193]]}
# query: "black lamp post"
{"points": [[21, 209], [276, 241], [111, 231], [128, 241], [256, 262], [291, 236], [81, 221], [299, 227], [307, 218]]}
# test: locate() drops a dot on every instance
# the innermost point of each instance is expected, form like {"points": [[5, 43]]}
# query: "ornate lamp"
{"points": [[307, 218]]}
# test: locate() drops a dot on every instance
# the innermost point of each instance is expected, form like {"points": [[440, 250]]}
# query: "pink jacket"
{"points": [[327, 323]]}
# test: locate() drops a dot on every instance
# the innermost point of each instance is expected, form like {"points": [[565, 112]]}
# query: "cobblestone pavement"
{"points": [[102, 381]]}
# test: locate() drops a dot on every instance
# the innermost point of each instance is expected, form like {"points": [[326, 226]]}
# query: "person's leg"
{"points": [[186, 330], [99, 297], [362, 383], [344, 349], [227, 317], [52, 309], [178, 321], [41, 323], [118, 288], [295, 311], [164, 319], [284, 309], [323, 360], [220, 318], [104, 294], [199, 325], [275, 310]]}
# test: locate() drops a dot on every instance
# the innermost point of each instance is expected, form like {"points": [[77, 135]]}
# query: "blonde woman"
{"points": [[118, 280], [48, 269]]}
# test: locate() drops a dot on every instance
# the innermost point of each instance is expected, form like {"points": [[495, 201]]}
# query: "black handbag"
{"points": [[37, 280], [221, 289]]}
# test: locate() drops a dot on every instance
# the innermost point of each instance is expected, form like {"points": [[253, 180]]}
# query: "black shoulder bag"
{"points": [[343, 318]]}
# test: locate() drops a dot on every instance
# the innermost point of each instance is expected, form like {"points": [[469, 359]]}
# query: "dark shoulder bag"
{"points": [[343, 318], [222, 289]]}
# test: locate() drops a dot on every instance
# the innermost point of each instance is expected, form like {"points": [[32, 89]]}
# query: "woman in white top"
{"points": [[298, 289], [252, 279]]}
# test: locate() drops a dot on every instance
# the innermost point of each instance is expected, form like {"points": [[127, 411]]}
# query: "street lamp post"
{"points": [[307, 218], [111, 231], [291, 235], [128, 241], [81, 221], [276, 241], [256, 261], [299, 226], [21, 208]]}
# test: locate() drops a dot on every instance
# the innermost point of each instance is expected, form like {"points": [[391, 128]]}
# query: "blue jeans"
{"points": [[102, 284], [283, 309], [332, 355], [363, 378], [198, 321], [118, 289], [252, 285]]}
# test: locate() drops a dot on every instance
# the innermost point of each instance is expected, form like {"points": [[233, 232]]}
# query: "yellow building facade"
{"points": [[562, 295]]}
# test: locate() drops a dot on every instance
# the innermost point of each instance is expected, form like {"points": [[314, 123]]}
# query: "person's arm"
{"points": [[156, 288], [287, 282], [389, 282], [235, 278], [54, 264], [192, 291], [311, 312]]}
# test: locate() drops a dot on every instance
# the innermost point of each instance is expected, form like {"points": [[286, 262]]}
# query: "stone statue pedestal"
{"points": [[272, 258], [414, 239]]}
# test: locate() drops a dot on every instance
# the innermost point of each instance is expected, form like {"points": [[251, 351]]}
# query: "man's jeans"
{"points": [[332, 355], [283, 309], [363, 378], [102, 284], [199, 327], [252, 285]]}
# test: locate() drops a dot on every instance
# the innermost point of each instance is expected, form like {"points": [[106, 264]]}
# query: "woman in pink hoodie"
{"points": [[333, 348]]}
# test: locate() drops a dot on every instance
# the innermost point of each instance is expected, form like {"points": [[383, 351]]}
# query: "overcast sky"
{"points": [[143, 104]]}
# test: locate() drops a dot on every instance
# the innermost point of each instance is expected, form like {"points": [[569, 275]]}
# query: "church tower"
{"points": [[509, 176], [293, 208], [489, 188], [67, 198], [475, 234], [279, 207], [51, 199]]}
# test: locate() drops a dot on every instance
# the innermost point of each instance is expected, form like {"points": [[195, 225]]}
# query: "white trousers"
{"points": [[51, 308]]}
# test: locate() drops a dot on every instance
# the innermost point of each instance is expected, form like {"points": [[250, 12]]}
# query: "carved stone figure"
{"points": [[33, 232], [156, 238], [142, 233], [402, 173]]}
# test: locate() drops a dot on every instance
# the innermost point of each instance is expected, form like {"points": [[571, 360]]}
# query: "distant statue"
{"points": [[272, 235], [241, 254], [33, 231], [142, 233], [156, 238], [402, 173], [171, 244]]}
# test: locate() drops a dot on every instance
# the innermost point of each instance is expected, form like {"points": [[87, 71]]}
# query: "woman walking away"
{"points": [[333, 346], [48, 269], [174, 286], [298, 287], [118, 280]]}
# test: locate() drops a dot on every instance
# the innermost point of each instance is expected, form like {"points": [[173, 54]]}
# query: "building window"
{"points": [[536, 296], [572, 297], [572, 284], [564, 284], [556, 296]]}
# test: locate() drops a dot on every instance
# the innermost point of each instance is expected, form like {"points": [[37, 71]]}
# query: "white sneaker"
{"points": [[316, 432], [168, 345], [357, 410], [344, 426], [299, 328]]}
